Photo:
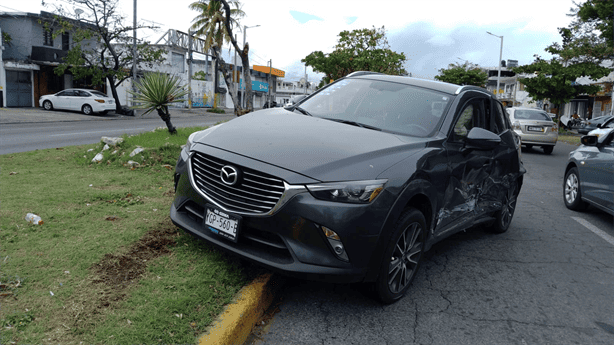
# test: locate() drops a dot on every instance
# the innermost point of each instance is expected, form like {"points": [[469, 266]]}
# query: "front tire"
{"points": [[572, 193], [47, 105], [548, 149], [402, 257], [87, 109]]}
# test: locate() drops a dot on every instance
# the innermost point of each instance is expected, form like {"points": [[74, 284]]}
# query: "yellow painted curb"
{"points": [[236, 322]]}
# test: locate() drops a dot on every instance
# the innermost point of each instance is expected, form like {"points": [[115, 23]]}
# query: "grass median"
{"points": [[107, 265]]}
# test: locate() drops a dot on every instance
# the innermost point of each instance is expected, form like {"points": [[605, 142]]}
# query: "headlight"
{"points": [[188, 145], [355, 192]]}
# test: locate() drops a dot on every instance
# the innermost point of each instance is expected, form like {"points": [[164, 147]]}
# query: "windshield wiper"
{"points": [[305, 112], [353, 123]]}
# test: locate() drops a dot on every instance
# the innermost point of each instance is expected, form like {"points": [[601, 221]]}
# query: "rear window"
{"points": [[531, 115], [98, 93]]}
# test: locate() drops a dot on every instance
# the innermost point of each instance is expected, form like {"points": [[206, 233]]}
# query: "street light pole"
{"points": [[500, 59], [243, 102]]}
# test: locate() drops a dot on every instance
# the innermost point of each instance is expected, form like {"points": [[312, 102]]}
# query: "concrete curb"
{"points": [[235, 324]]}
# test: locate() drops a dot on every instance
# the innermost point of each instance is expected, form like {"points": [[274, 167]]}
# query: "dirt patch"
{"points": [[119, 271], [115, 274]]}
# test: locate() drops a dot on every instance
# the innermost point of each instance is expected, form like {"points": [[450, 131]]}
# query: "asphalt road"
{"points": [[548, 280], [27, 129]]}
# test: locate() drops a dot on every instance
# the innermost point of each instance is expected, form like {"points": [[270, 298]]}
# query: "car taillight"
{"points": [[99, 100], [516, 125]]}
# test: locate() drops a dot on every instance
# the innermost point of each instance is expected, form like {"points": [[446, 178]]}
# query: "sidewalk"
{"points": [[33, 115]]}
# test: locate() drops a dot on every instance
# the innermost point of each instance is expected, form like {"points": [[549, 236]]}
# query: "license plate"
{"points": [[222, 223], [535, 129]]}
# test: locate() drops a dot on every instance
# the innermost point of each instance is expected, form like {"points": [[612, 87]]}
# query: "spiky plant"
{"points": [[156, 91]]}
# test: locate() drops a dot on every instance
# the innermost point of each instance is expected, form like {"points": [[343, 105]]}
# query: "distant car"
{"points": [[589, 175], [83, 100], [535, 127], [268, 104], [295, 100], [594, 123]]}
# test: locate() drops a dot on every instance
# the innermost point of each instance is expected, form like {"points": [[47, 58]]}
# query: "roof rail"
{"points": [[359, 73]]}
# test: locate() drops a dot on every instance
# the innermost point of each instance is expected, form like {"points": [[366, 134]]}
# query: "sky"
{"points": [[431, 33]]}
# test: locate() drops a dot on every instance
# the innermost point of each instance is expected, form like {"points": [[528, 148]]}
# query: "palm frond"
{"points": [[156, 90]]}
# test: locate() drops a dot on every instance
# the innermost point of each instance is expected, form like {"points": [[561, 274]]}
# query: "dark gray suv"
{"points": [[355, 183]]}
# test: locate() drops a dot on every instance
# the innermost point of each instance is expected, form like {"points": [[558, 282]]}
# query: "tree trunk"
{"points": [[118, 106], [166, 117], [224, 68], [249, 99]]}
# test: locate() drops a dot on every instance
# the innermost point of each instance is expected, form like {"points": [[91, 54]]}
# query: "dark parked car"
{"points": [[271, 104], [594, 123], [589, 176], [355, 183]]}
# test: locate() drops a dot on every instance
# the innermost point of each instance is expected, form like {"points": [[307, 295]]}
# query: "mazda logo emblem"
{"points": [[229, 175]]}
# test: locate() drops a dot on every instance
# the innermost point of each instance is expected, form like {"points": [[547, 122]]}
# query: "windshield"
{"points": [[531, 115], [389, 106]]}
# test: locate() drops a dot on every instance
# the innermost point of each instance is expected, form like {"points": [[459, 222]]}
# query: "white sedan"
{"points": [[86, 101]]}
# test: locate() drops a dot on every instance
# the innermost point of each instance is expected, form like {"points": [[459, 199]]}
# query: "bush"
{"points": [[216, 110]]}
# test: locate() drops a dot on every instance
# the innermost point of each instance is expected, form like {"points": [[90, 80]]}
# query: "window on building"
{"points": [[48, 37], [178, 62], [65, 41]]}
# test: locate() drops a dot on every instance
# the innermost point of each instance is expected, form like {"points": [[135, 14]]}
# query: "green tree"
{"points": [[156, 91], [584, 49], [465, 74], [101, 44], [358, 50], [215, 23]]}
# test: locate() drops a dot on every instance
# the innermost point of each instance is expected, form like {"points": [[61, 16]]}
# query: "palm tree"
{"points": [[156, 91], [210, 21]]}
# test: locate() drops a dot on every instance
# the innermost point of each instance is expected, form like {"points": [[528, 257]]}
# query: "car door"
{"points": [[468, 169], [507, 165], [597, 173], [79, 98], [62, 99]]}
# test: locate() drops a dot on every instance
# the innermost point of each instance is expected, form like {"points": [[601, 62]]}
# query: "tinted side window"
{"points": [[471, 116], [500, 124]]}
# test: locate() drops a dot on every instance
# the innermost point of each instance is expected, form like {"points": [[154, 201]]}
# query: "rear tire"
{"points": [[47, 105], [87, 109], [572, 194], [503, 217], [402, 257], [548, 149], [529, 147]]}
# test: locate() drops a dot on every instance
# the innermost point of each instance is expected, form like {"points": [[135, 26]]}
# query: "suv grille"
{"points": [[255, 193]]}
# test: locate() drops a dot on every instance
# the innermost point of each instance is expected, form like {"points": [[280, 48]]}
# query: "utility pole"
{"points": [[270, 80], [134, 52], [234, 72], [189, 69], [500, 59]]}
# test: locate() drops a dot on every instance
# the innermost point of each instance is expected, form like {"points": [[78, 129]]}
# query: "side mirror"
{"points": [[481, 139], [599, 125], [589, 140]]}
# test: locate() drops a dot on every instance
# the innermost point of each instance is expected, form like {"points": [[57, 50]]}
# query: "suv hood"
{"points": [[317, 148]]}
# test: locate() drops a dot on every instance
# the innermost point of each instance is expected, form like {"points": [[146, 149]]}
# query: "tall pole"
{"points": [[134, 51], [189, 69], [270, 80], [246, 69], [305, 79], [500, 59], [234, 71]]}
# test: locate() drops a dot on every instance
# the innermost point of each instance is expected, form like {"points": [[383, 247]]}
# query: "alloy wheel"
{"points": [[405, 258], [571, 188], [509, 206]]}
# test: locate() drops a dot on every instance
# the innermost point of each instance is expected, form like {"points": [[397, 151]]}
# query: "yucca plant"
{"points": [[156, 91]]}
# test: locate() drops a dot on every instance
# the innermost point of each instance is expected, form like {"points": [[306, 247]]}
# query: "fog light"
{"points": [[335, 242]]}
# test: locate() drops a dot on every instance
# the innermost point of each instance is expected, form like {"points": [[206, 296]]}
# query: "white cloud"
{"points": [[452, 28]]}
